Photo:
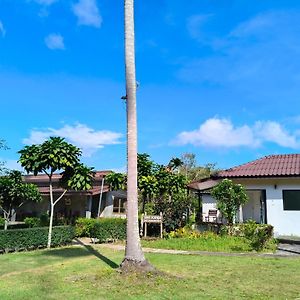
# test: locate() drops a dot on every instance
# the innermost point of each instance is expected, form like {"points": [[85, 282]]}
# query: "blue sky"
{"points": [[219, 78]]}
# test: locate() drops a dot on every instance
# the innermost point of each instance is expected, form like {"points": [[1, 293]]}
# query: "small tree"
{"points": [[56, 155], [14, 193], [230, 197]]}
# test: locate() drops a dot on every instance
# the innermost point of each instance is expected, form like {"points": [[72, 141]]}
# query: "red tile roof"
{"points": [[268, 166]]}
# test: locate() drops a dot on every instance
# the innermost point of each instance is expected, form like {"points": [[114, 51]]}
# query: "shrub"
{"points": [[258, 234], [83, 227], [32, 222], [184, 232], [109, 229], [32, 238]]}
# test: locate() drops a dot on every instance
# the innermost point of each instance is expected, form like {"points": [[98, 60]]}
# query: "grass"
{"points": [[90, 273], [206, 243]]}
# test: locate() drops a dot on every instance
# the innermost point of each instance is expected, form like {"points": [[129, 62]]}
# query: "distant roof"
{"points": [[41, 180], [204, 184], [284, 165], [56, 177]]}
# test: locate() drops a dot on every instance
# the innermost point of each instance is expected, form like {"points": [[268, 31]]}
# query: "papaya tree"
{"points": [[14, 193], [56, 155]]}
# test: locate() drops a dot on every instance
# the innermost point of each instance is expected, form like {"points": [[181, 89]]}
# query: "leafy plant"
{"points": [[83, 227], [230, 197], [32, 222], [258, 234], [14, 193]]}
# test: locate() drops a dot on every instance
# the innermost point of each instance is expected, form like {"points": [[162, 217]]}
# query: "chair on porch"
{"points": [[212, 216]]}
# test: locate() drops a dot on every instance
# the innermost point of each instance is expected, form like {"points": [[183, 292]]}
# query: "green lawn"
{"points": [[79, 273], [211, 243]]}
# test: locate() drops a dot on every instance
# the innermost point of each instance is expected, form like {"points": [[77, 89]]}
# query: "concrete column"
{"points": [[88, 212], [241, 220]]}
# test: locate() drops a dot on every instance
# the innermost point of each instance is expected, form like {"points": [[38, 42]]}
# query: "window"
{"points": [[291, 199], [119, 205]]}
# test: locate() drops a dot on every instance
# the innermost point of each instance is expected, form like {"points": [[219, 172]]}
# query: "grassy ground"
{"points": [[216, 243], [90, 273]]}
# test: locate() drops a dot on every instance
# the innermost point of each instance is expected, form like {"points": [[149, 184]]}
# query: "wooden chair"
{"points": [[212, 214]]}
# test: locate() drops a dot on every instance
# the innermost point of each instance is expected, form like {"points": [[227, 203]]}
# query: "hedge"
{"points": [[33, 238], [104, 230]]}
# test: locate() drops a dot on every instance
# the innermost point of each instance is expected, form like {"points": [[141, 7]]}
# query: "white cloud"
{"points": [[87, 13], [273, 132], [2, 30], [84, 137], [55, 41], [217, 133]]}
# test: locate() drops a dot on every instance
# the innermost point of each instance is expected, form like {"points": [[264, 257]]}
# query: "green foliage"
{"points": [[116, 181], [109, 229], [258, 234], [32, 238], [78, 178], [230, 197], [185, 232], [191, 170], [32, 222], [53, 155], [2, 222], [175, 209], [14, 192], [83, 227]]}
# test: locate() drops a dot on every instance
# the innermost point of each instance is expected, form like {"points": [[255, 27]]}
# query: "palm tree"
{"points": [[134, 256]]}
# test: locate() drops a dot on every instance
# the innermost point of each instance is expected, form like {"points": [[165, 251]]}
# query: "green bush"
{"points": [[32, 222], [83, 227], [33, 238], [258, 235], [109, 229]]}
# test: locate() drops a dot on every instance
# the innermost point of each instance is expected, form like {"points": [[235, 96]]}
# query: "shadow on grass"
{"points": [[80, 252]]}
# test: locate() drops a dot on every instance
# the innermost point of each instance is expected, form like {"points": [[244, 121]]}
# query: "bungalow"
{"points": [[273, 187], [99, 201]]}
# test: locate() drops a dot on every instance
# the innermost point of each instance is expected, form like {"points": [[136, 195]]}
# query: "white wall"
{"points": [[208, 202], [284, 222]]}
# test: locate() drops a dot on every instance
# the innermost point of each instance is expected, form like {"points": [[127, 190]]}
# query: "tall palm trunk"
{"points": [[134, 256]]}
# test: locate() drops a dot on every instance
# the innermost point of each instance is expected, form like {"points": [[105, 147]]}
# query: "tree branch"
{"points": [[60, 197]]}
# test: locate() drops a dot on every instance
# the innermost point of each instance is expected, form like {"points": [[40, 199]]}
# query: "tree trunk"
{"points": [[6, 219], [5, 224], [134, 257], [51, 214]]}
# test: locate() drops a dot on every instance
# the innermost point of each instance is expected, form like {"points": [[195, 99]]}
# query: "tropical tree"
{"points": [[134, 257], [116, 181], [175, 163], [191, 170], [56, 155], [230, 197], [14, 193]]}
